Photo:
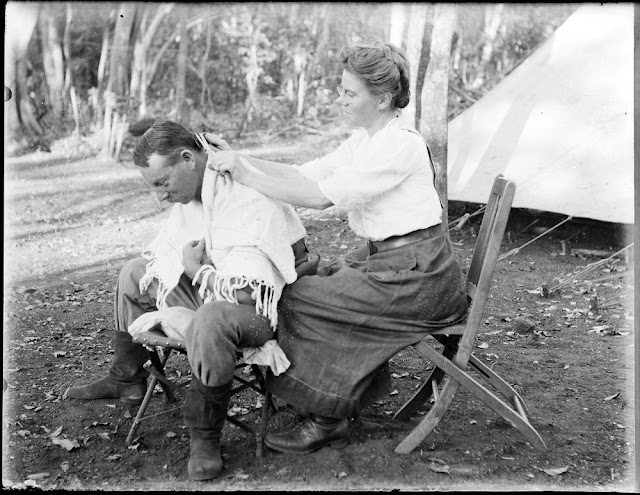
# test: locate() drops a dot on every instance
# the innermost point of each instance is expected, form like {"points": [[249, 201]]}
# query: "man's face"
{"points": [[175, 183]]}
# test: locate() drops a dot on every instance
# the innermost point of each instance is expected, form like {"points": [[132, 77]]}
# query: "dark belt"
{"points": [[402, 240]]}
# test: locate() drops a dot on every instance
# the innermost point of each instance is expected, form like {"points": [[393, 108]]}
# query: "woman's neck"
{"points": [[379, 123]]}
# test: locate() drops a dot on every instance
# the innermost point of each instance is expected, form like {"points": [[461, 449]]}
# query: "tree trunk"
{"points": [[181, 71], [19, 120], [104, 54], [66, 50], [302, 91], [492, 21], [434, 122], [253, 72], [151, 69], [53, 61], [398, 25], [139, 79], [116, 94], [205, 93], [415, 34], [120, 63], [292, 73], [425, 57]]}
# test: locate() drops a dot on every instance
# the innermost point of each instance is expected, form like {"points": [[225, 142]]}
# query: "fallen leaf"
{"points": [[566, 366], [38, 476], [341, 475], [484, 345], [113, 457], [439, 468], [611, 397], [56, 432], [65, 466], [134, 446], [23, 433], [66, 443], [556, 471], [59, 353], [239, 475], [395, 392], [104, 435], [171, 434]]}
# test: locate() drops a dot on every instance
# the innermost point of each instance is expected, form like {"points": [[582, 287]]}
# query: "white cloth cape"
{"points": [[248, 238]]}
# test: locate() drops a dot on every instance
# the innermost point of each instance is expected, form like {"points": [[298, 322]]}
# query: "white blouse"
{"points": [[385, 182]]}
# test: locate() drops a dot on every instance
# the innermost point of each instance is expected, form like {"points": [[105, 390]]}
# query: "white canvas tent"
{"points": [[560, 125]]}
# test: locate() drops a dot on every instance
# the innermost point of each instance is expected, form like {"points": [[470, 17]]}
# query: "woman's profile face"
{"points": [[359, 106]]}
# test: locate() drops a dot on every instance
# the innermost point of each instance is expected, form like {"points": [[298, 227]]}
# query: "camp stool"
{"points": [[160, 348], [454, 361]]}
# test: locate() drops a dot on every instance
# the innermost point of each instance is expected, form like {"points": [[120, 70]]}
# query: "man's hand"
{"points": [[217, 141], [192, 255], [229, 162]]}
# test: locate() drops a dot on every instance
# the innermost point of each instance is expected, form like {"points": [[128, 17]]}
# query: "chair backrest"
{"points": [[485, 256]]}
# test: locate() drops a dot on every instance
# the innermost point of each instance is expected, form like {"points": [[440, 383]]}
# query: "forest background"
{"points": [[87, 71]]}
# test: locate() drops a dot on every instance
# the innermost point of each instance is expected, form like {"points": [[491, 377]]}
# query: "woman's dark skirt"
{"points": [[340, 327]]}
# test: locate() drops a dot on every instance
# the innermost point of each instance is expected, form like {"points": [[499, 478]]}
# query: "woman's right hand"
{"points": [[217, 141]]}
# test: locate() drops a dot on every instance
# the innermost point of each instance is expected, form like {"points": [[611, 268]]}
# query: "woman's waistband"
{"points": [[402, 240]]}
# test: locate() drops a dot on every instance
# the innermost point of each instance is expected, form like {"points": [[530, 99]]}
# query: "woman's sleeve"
{"points": [[321, 168], [388, 162]]}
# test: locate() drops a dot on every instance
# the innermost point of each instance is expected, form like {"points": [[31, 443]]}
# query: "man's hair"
{"points": [[165, 138], [382, 67]]}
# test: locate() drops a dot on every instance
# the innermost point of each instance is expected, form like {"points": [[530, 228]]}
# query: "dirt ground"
{"points": [[72, 220]]}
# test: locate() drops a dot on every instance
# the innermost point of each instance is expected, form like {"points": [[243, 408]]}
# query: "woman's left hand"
{"points": [[229, 162], [192, 256]]}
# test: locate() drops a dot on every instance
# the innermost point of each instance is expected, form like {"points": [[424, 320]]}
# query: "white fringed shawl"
{"points": [[248, 238]]}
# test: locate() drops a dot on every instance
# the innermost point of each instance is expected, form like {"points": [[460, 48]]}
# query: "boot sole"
{"points": [[336, 444], [126, 400]]}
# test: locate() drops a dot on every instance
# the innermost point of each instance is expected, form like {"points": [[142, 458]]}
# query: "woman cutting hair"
{"points": [[340, 327]]}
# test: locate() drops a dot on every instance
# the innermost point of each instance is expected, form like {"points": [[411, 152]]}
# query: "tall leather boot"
{"points": [[127, 378], [204, 411]]}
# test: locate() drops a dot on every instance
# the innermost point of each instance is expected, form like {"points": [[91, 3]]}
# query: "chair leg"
{"points": [[506, 389], [157, 370], [424, 393], [431, 420], [264, 421], [513, 417], [141, 410]]}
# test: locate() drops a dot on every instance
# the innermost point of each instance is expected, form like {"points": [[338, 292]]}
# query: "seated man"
{"points": [[235, 244]]}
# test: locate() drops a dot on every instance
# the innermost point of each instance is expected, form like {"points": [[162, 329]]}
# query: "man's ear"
{"points": [[188, 158]]}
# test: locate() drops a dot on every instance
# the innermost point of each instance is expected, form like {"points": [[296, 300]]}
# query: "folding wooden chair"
{"points": [[452, 363], [160, 348]]}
